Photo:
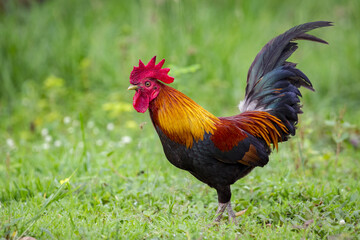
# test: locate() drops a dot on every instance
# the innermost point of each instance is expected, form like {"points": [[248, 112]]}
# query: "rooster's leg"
{"points": [[231, 213], [221, 210], [224, 196]]}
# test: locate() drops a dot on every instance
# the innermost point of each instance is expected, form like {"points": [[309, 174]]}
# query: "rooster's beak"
{"points": [[133, 87]]}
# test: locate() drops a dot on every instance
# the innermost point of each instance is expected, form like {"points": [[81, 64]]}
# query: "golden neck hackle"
{"points": [[180, 118]]}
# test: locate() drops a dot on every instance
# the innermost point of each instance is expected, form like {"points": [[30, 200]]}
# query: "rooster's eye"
{"points": [[147, 84]]}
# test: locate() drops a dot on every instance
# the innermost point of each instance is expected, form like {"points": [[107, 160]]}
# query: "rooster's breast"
{"points": [[201, 162]]}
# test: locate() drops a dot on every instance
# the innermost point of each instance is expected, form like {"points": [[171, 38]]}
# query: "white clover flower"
{"points": [[57, 143], [46, 146], [342, 222], [126, 139], [10, 143], [67, 120], [70, 130], [48, 138], [90, 124], [96, 131], [44, 132], [99, 142], [110, 126], [111, 144]]}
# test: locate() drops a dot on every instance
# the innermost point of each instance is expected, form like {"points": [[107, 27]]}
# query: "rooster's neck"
{"points": [[180, 118]]}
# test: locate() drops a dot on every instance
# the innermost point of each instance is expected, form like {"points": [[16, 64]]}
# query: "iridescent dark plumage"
{"points": [[219, 151]]}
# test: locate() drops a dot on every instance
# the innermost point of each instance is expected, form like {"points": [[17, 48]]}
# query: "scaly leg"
{"points": [[220, 211], [224, 196], [231, 213]]}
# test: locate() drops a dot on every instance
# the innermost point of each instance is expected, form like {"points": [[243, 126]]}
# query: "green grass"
{"points": [[75, 165]]}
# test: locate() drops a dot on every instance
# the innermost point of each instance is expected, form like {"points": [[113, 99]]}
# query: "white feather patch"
{"points": [[244, 106]]}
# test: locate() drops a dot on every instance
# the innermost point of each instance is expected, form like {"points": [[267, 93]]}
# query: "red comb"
{"points": [[150, 71]]}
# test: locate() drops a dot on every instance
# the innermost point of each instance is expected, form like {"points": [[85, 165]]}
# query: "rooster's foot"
{"points": [[231, 213]]}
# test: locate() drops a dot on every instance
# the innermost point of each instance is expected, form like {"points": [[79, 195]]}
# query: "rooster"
{"points": [[220, 150]]}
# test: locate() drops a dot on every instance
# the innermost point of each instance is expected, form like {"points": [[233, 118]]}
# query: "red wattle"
{"points": [[141, 102]]}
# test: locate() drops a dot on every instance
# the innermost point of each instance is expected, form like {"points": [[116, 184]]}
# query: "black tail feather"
{"points": [[273, 83], [274, 52]]}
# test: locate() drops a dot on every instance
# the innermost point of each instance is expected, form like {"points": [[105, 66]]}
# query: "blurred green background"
{"points": [[73, 56], [64, 71]]}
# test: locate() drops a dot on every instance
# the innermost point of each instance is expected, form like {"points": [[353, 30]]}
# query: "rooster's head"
{"points": [[145, 81]]}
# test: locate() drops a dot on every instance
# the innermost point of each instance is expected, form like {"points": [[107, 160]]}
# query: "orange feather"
{"points": [[180, 118], [184, 121]]}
